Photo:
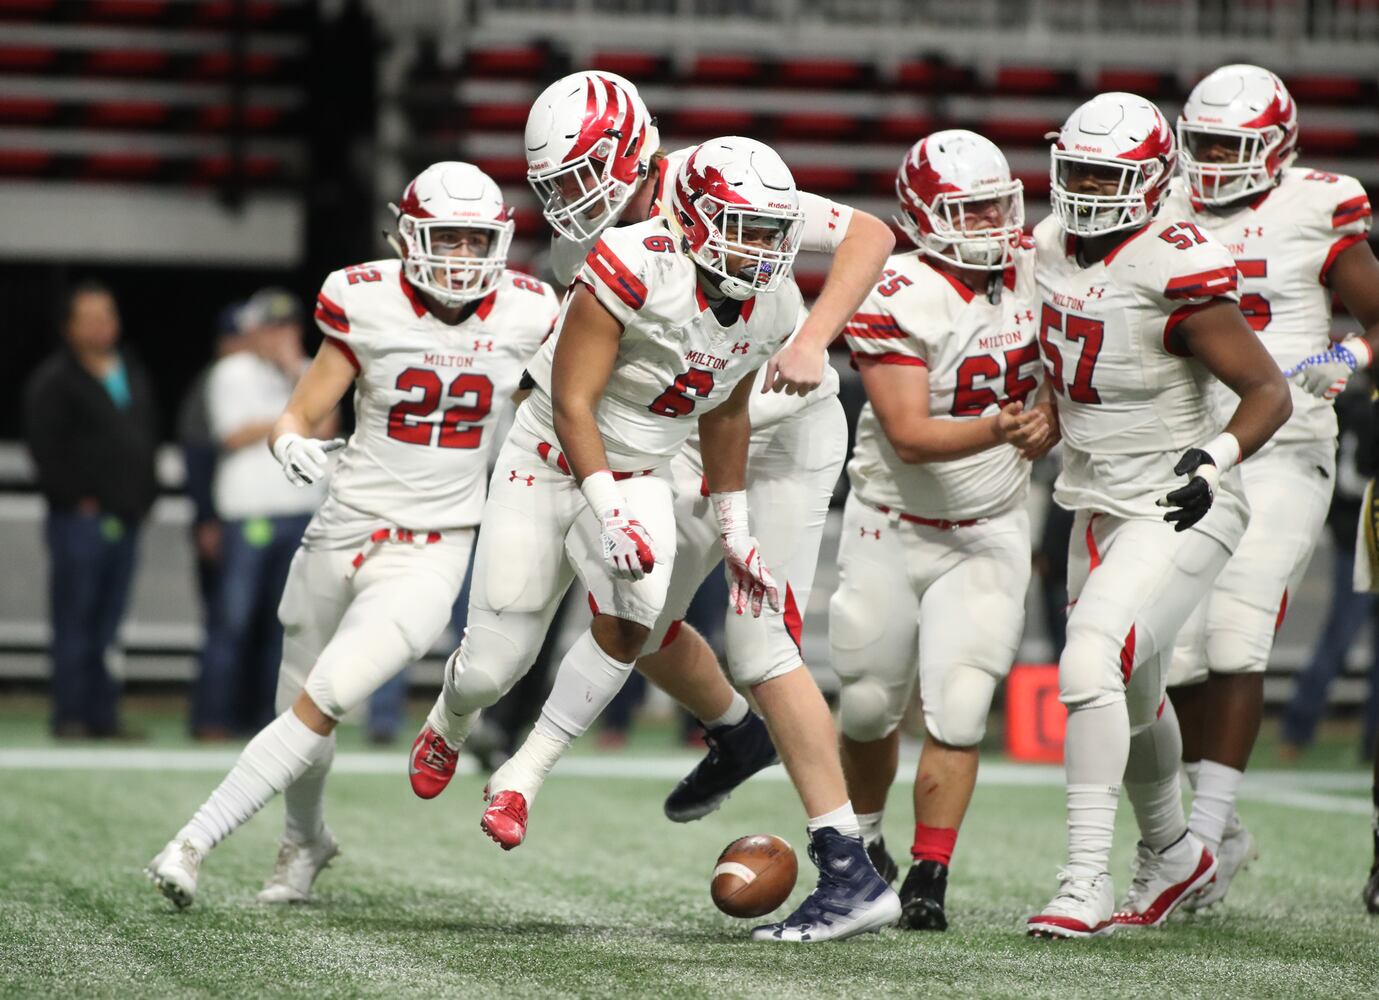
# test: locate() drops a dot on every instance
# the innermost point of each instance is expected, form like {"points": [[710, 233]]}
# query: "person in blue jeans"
{"points": [[90, 424], [263, 517]]}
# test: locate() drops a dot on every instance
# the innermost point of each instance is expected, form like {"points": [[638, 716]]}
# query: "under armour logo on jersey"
{"points": [[875, 532], [1257, 230], [483, 345], [741, 346], [1026, 316], [1096, 292], [514, 477]]}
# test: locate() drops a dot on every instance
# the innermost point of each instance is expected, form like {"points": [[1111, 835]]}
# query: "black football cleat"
{"points": [[921, 897], [735, 753], [881, 858], [1371, 893]]}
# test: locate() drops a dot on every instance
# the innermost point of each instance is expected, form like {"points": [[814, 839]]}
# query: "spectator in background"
{"points": [[262, 515], [199, 453], [90, 423], [1350, 610]]}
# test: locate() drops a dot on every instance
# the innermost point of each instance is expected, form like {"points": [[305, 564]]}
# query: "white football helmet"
{"points": [[1242, 108], [1116, 136], [958, 201], [589, 141], [737, 209], [441, 214]]}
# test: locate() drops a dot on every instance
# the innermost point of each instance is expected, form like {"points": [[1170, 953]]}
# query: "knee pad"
{"points": [[483, 669], [867, 710], [956, 716], [348, 672], [761, 649], [1237, 651], [1089, 672]]}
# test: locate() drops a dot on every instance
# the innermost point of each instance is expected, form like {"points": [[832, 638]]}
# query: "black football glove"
{"points": [[1190, 503]]}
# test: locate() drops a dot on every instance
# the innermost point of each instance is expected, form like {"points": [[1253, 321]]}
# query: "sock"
{"points": [[869, 825], [585, 682], [737, 711], [842, 819], [275, 758], [934, 843], [1217, 787], [1151, 781], [448, 717], [526, 770], [1096, 749], [305, 798], [1192, 768]]}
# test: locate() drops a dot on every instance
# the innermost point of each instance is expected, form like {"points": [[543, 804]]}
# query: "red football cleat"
{"points": [[505, 819], [432, 763]]}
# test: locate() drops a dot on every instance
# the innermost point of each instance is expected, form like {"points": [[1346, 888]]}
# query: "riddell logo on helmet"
{"points": [[1086, 149], [778, 204]]}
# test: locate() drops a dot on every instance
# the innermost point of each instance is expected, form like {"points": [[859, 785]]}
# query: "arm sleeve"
{"points": [[611, 273], [825, 223], [875, 336]]}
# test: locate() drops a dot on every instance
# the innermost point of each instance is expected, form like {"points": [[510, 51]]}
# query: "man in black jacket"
{"points": [[91, 426]]}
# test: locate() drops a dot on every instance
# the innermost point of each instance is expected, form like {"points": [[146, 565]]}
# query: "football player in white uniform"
{"points": [[935, 551], [1297, 236], [433, 344], [594, 162], [1138, 311], [668, 320]]}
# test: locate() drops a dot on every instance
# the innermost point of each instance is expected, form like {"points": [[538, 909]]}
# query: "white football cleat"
{"points": [[1164, 880], [1238, 849], [173, 872], [1083, 907], [296, 869]]}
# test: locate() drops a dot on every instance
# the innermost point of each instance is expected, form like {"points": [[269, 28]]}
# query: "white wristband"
{"points": [[1224, 450], [731, 511], [281, 445], [601, 493], [1359, 347]]}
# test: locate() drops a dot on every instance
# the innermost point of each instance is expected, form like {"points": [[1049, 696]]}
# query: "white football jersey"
{"points": [[675, 360], [980, 356], [427, 397], [1130, 399], [1284, 241]]}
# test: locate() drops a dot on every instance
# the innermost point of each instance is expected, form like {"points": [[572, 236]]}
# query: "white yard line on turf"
{"points": [[1295, 789]]}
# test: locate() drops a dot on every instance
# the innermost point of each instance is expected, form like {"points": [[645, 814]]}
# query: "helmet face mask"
{"points": [[1218, 181], [453, 233], [1119, 202], [589, 141], [958, 201], [751, 250], [738, 212]]}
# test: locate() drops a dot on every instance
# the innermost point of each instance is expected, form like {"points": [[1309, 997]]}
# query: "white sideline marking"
{"points": [[1293, 789]]}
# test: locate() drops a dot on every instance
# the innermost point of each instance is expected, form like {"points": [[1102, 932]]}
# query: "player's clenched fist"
{"points": [[627, 547], [304, 460], [750, 582]]}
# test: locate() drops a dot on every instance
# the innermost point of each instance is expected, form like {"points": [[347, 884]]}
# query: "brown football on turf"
{"points": [[754, 875]]}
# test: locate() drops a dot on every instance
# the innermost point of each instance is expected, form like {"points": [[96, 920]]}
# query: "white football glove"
{"points": [[1325, 375], [627, 547], [751, 582], [304, 460]]}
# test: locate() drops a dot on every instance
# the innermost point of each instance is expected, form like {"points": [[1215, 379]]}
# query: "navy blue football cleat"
{"points": [[735, 754], [851, 898]]}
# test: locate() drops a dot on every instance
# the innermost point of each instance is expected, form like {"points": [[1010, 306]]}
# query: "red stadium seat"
{"points": [[636, 66], [725, 69], [1031, 80], [1326, 89], [26, 110], [503, 169], [816, 125], [838, 73], [711, 122], [512, 117], [526, 62], [128, 62], [1328, 140], [904, 129], [1145, 82], [126, 114], [26, 58], [826, 179], [24, 162]]}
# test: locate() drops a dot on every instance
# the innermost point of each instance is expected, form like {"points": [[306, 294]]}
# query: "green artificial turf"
{"points": [[606, 898]]}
